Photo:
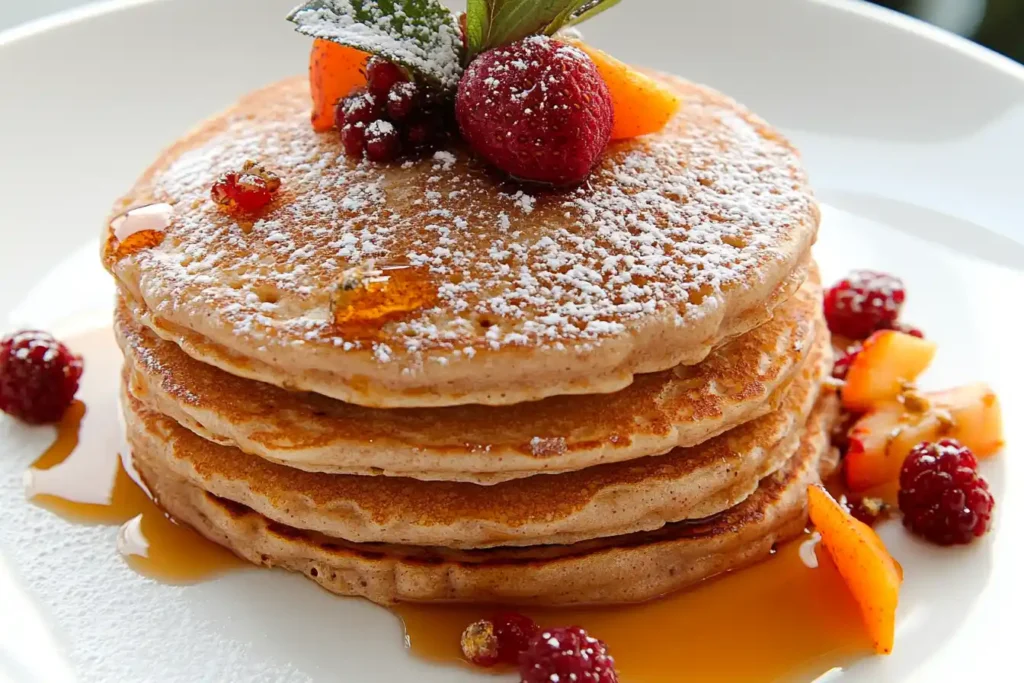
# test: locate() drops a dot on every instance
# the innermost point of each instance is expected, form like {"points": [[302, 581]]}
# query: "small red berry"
{"points": [[361, 107], [868, 510], [353, 139], [842, 364], [248, 191], [499, 639], [566, 654], [537, 109], [863, 302], [382, 74], [38, 377], [403, 100], [425, 134], [383, 143], [942, 496]]}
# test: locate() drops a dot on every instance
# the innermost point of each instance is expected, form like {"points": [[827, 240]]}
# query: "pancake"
{"points": [[604, 500], [620, 569], [491, 293], [482, 444]]}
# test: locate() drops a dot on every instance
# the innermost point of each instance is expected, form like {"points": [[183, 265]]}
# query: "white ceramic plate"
{"points": [[914, 141]]}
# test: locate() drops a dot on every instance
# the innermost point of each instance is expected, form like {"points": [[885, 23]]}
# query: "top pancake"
{"points": [[677, 241]]}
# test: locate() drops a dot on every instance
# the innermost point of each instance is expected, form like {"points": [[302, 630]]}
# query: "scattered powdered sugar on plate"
{"points": [[666, 223]]}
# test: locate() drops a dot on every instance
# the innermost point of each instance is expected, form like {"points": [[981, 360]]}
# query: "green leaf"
{"points": [[478, 20], [492, 23], [591, 9], [421, 35]]}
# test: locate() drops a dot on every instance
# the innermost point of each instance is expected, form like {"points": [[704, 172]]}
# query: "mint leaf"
{"points": [[421, 35], [591, 9], [501, 22]]}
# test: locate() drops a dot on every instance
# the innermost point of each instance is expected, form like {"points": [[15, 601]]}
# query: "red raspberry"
{"points": [[942, 496], [248, 191], [498, 640], [537, 109], [566, 654], [382, 74], [360, 107], [842, 364], [862, 303], [38, 377]]}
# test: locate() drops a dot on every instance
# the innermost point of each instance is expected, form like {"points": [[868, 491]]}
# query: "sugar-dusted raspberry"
{"points": [[38, 377], [942, 496], [383, 142], [247, 191], [381, 75], [841, 366], [537, 109], [863, 302], [498, 639], [566, 654]]}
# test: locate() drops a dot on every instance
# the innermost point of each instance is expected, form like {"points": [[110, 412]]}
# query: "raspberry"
{"points": [[38, 377], [383, 143], [865, 301], [566, 654], [247, 191], [381, 75], [353, 138], [402, 100], [498, 640], [842, 364], [942, 496], [537, 109]]}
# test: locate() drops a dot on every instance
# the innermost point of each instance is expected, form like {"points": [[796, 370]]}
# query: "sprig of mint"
{"points": [[492, 23], [421, 35]]}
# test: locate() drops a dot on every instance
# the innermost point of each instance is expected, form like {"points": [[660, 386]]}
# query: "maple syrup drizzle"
{"points": [[778, 620], [81, 478], [782, 619]]}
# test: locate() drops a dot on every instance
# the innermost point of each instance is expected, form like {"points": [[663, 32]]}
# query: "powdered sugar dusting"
{"points": [[666, 224]]}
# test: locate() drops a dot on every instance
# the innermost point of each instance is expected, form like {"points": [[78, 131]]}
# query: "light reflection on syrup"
{"points": [[779, 620], [81, 478]]}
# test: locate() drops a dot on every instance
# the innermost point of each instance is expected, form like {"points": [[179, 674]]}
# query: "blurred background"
{"points": [[998, 24]]}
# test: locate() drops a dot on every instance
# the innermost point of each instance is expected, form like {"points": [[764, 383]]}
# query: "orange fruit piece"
{"points": [[867, 568], [640, 104], [888, 361], [334, 72]]}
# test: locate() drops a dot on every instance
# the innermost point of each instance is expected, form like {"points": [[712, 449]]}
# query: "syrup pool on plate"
{"points": [[82, 477], [780, 619]]}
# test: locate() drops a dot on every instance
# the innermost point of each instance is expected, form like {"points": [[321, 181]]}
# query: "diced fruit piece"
{"points": [[552, 134], [640, 104], [942, 496], [334, 72], [566, 654], [880, 440], [879, 371], [247, 191], [863, 302], [38, 377], [867, 568]]}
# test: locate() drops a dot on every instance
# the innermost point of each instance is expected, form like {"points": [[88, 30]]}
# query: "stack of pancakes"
{"points": [[424, 382]]}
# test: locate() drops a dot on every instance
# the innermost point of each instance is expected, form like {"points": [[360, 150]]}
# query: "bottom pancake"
{"points": [[619, 569]]}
